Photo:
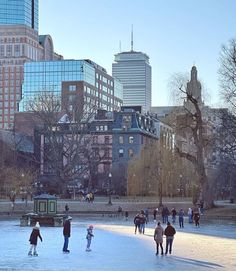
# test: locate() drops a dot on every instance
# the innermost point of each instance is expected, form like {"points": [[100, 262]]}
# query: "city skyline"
{"points": [[175, 35]]}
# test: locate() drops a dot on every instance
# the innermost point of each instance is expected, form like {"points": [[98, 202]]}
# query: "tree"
{"points": [[67, 150], [227, 80], [153, 172], [190, 125]]}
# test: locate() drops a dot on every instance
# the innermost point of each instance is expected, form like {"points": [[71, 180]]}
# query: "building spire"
{"points": [[120, 46], [132, 40]]}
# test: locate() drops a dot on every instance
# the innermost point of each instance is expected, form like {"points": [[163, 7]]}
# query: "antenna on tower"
{"points": [[120, 46], [132, 40]]}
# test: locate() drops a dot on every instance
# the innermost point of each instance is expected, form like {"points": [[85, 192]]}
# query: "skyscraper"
{"points": [[20, 12], [19, 43], [135, 73]]}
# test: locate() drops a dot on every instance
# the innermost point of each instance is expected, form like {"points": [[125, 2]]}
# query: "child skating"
{"points": [[33, 240], [89, 237]]}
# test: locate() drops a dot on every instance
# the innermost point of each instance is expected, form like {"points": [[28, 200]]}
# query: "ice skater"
{"points": [[34, 238], [66, 233], [169, 233], [89, 237], [158, 237]]}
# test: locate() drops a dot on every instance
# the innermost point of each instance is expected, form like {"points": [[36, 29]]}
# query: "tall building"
{"points": [[135, 73], [21, 12], [19, 43], [78, 84]]}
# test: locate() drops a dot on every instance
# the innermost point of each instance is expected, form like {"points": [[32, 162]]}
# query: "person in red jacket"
{"points": [[169, 233], [34, 238]]}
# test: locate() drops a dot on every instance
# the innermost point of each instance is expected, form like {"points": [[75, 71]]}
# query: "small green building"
{"points": [[45, 204]]}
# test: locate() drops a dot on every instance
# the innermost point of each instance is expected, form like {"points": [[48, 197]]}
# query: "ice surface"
{"points": [[115, 247]]}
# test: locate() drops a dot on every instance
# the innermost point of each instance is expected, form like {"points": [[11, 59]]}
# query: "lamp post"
{"points": [[109, 188]]}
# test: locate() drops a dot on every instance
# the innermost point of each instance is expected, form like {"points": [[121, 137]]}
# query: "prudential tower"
{"points": [[135, 73]]}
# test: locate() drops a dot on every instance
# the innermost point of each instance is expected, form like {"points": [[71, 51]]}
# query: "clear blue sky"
{"points": [[174, 33]]}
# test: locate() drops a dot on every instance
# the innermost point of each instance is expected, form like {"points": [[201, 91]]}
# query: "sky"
{"points": [[175, 34]]}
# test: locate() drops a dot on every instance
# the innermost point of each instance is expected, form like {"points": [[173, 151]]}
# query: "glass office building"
{"points": [[62, 76], [19, 12]]}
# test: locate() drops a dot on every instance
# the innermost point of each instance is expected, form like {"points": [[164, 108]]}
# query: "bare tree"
{"points": [[67, 148], [227, 80], [190, 124]]}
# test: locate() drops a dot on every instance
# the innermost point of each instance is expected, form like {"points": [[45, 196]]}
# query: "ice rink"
{"points": [[115, 247]]}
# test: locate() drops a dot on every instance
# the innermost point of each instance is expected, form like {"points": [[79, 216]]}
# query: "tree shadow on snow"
{"points": [[196, 262]]}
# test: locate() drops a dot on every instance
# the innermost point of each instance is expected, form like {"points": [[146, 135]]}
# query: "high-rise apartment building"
{"points": [[135, 73], [19, 43]]}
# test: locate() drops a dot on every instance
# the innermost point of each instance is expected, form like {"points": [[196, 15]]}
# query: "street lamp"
{"points": [[109, 188]]}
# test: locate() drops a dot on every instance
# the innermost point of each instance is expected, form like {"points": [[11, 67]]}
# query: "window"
{"points": [[121, 153], [131, 139], [131, 153], [106, 140], [72, 88], [121, 139]]}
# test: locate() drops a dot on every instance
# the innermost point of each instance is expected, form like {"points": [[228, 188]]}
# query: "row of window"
{"points": [[130, 139], [104, 79], [101, 128], [130, 153]]}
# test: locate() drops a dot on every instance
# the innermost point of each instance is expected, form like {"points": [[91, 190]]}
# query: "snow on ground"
{"points": [[115, 247]]}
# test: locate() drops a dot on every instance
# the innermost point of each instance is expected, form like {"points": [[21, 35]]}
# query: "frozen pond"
{"points": [[116, 247]]}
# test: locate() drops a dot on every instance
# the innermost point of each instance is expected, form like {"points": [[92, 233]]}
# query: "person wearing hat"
{"points": [[66, 233], [89, 237], [34, 238]]}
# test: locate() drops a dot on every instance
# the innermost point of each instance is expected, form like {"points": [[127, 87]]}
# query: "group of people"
{"points": [[193, 215], [35, 234]]}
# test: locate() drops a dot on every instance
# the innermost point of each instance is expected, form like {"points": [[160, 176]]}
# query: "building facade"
{"points": [[78, 84], [19, 43], [113, 140], [135, 73]]}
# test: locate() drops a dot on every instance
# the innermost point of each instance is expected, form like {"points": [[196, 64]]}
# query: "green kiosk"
{"points": [[45, 212], [45, 204]]}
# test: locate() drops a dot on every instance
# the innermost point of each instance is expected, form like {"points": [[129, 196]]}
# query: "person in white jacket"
{"points": [[158, 237]]}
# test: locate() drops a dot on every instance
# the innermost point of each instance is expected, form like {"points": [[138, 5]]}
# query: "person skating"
{"points": [[174, 213], [190, 215], [196, 217], [155, 211], [34, 238], [89, 237], [158, 237], [181, 218], [137, 223], [143, 220], [169, 233], [66, 233]]}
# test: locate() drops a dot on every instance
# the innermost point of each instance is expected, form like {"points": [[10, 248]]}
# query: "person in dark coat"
{"points": [[155, 211], [126, 215], [169, 233], [196, 217], [181, 218], [66, 233], [137, 223], [34, 238]]}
